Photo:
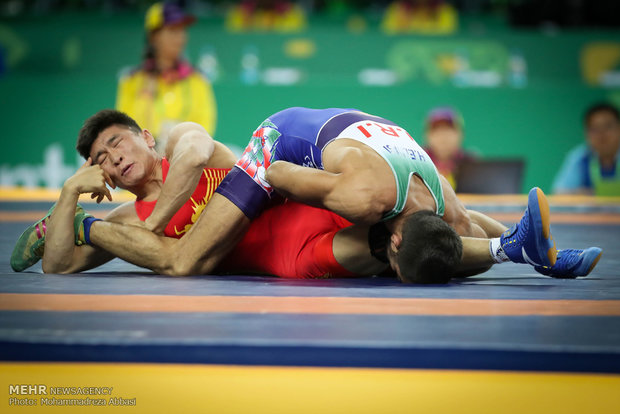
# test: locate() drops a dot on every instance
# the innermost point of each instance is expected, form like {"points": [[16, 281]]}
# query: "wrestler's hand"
{"points": [[90, 178]]}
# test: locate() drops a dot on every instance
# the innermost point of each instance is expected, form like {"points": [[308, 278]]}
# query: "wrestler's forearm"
{"points": [[303, 184], [349, 194], [179, 186], [61, 255], [188, 158], [60, 235]]}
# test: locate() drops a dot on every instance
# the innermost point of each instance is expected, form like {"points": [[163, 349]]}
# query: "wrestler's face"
{"points": [[125, 156], [603, 132]]}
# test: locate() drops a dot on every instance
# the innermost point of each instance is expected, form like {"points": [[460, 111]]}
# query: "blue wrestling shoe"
{"points": [[572, 263], [530, 241]]}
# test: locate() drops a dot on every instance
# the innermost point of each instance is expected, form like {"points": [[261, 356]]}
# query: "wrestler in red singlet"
{"points": [[289, 240]]}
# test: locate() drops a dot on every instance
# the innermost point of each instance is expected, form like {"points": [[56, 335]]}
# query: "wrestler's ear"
{"points": [[149, 138], [395, 241]]}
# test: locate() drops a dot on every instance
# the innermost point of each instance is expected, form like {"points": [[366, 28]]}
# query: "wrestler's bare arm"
{"points": [[347, 186], [351, 251], [61, 254], [189, 150]]}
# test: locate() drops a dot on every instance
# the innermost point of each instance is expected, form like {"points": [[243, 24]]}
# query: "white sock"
{"points": [[497, 253]]}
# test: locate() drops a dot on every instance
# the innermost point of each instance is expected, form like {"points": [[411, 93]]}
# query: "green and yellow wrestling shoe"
{"points": [[78, 225], [31, 244]]}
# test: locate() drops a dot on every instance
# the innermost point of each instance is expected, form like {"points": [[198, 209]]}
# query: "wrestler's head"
{"points": [[425, 250], [116, 142]]}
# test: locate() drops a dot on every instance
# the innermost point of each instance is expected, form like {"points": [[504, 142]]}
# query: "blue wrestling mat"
{"points": [[506, 341]]}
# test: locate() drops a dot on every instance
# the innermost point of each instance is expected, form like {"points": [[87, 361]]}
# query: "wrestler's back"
{"points": [[305, 123]]}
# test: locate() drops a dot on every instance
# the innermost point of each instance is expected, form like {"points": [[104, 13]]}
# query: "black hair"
{"points": [[600, 107], [94, 125], [430, 250]]}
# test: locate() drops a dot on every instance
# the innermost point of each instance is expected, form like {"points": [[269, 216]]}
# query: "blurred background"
{"points": [[518, 74]]}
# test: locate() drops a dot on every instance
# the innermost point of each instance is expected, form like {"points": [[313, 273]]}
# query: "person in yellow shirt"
{"points": [[165, 89]]}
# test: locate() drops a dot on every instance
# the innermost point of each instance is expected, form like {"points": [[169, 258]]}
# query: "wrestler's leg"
{"points": [[218, 229], [491, 227], [467, 223]]}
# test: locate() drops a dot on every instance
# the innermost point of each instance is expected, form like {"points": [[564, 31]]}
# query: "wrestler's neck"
{"points": [[150, 187]]}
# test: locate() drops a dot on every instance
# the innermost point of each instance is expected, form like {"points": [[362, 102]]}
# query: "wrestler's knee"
{"points": [[181, 263], [180, 268], [170, 261], [190, 264]]}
